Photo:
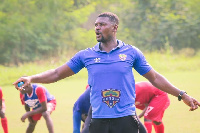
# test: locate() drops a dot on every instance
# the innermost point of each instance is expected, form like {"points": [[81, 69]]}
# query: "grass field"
{"points": [[177, 118]]}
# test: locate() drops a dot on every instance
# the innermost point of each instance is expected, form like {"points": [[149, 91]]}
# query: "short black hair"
{"points": [[112, 17]]}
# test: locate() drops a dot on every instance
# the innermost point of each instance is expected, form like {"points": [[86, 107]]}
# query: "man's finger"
{"points": [[192, 106], [197, 103]]}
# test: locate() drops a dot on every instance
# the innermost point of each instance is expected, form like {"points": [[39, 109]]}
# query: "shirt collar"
{"points": [[120, 44]]}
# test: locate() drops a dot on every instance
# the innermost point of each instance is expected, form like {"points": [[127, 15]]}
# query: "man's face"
{"points": [[103, 29], [25, 89]]}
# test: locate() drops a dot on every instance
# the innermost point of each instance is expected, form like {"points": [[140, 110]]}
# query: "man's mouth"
{"points": [[98, 35]]}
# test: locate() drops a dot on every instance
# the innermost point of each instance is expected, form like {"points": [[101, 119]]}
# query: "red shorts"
{"points": [[157, 107], [51, 105]]}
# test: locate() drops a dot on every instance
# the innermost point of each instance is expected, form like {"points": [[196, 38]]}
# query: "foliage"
{"points": [[151, 24], [33, 29]]}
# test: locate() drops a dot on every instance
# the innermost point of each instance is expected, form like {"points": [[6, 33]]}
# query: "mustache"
{"points": [[97, 32]]}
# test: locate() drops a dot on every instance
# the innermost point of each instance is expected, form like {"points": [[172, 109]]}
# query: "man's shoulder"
{"points": [[126, 45], [84, 51], [129, 48], [38, 87]]}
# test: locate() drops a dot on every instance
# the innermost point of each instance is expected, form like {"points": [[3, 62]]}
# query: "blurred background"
{"points": [[32, 30], [52, 31], [37, 35]]}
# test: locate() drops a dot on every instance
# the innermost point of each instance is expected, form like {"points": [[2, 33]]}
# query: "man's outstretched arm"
{"points": [[48, 76], [163, 84]]}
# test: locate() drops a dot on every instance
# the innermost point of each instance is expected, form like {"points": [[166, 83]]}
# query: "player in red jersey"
{"points": [[153, 102], [4, 121], [38, 102]]}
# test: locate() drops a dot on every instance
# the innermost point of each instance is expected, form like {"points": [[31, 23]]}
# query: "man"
{"points": [[109, 64], [42, 103], [4, 121], [80, 109], [153, 102]]}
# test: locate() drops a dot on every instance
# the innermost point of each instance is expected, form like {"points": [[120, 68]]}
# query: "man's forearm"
{"points": [[27, 108], [36, 111], [49, 76], [163, 84]]}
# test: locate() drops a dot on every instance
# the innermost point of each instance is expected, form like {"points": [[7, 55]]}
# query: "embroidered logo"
{"points": [[97, 59], [111, 97], [122, 57]]}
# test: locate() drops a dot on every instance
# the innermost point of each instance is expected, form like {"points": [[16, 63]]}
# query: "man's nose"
{"points": [[98, 27]]}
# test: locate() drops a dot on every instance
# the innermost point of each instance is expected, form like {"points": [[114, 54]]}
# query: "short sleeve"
{"points": [[22, 99], [140, 64], [1, 94], [76, 63], [40, 92]]}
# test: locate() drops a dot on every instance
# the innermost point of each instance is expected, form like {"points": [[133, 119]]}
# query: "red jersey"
{"points": [[145, 92], [39, 94]]}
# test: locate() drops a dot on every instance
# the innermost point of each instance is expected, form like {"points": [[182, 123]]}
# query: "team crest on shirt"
{"points": [[122, 57], [111, 97]]}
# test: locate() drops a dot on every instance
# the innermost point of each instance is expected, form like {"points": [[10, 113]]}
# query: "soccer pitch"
{"points": [[177, 118]]}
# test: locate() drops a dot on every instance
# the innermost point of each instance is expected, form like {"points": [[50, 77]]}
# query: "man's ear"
{"points": [[115, 27]]}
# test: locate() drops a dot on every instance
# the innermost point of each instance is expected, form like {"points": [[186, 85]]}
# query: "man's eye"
{"points": [[100, 24]]}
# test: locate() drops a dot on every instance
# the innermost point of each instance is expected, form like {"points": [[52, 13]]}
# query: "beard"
{"points": [[102, 39]]}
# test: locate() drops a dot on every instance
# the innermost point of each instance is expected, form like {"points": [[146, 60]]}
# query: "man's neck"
{"points": [[108, 46], [30, 91]]}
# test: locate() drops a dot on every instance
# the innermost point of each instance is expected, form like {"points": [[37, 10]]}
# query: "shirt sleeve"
{"points": [[75, 63], [76, 121], [1, 94], [141, 65], [40, 92], [22, 99]]}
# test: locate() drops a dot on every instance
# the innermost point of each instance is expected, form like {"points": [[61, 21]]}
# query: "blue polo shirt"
{"points": [[111, 78]]}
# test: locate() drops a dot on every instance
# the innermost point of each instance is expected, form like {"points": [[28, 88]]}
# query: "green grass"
{"points": [[66, 93], [178, 118], [183, 72]]}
